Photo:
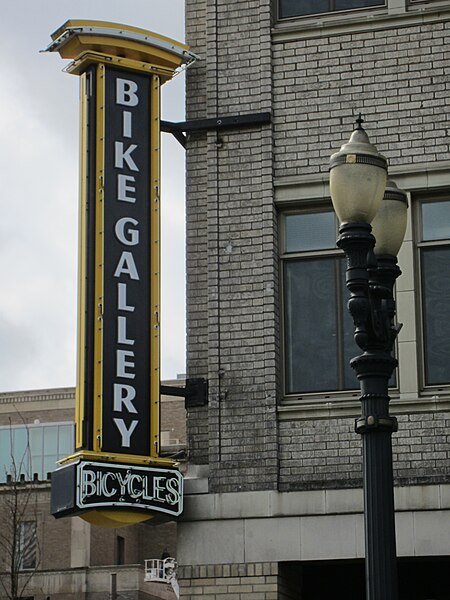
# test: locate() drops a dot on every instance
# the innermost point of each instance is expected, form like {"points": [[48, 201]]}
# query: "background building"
{"points": [[274, 505], [68, 558]]}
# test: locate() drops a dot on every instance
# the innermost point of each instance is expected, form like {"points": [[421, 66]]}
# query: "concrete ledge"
{"points": [[267, 504]]}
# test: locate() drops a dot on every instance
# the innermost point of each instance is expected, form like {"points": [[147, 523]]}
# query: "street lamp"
{"points": [[362, 195]]}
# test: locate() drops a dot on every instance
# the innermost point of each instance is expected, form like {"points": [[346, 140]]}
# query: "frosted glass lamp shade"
{"points": [[389, 225], [358, 176]]}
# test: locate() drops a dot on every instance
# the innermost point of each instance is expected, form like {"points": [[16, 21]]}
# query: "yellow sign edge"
{"points": [[119, 26], [99, 253], [155, 265], [82, 233], [85, 59], [111, 457], [77, 36]]}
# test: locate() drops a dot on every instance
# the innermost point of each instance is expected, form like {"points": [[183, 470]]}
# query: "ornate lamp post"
{"points": [[362, 195]]}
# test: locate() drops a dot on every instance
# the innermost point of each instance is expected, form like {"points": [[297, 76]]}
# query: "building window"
{"points": [[318, 330], [434, 254], [26, 545], [34, 449], [120, 550], [301, 8]]}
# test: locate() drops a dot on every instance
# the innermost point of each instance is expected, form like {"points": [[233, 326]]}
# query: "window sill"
{"points": [[376, 19], [348, 405]]}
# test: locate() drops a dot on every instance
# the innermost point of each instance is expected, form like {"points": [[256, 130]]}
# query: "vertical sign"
{"points": [[119, 346], [118, 387], [126, 273]]}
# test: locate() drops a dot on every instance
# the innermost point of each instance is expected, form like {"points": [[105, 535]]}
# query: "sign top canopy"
{"points": [[75, 38]]}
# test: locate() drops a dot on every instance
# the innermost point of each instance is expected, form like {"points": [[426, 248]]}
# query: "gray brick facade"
{"points": [[314, 75], [313, 80]]}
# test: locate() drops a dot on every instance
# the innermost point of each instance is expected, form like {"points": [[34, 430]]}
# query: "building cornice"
{"points": [[45, 395]]}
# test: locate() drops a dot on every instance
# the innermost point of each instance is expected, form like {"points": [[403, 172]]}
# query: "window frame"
{"points": [[418, 200], [324, 205], [344, 11], [21, 548], [284, 258]]}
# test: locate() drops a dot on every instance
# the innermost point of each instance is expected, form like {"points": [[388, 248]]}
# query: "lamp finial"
{"points": [[359, 121]]}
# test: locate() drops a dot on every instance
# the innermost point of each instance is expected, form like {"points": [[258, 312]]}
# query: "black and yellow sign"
{"points": [[117, 413], [121, 310]]}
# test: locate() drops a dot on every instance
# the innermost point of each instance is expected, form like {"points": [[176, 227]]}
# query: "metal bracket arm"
{"points": [[195, 392], [198, 125]]}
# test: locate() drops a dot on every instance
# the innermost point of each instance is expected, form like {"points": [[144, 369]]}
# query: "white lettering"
{"points": [[126, 266], [122, 298], [145, 493], [89, 488], [133, 234], [126, 124], [123, 188], [123, 481], [124, 395], [105, 490], [125, 433], [131, 490], [158, 488], [173, 495], [126, 92], [122, 332], [122, 364], [121, 156]]}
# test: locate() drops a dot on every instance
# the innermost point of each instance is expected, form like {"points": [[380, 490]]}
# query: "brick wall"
{"points": [[314, 80], [327, 453], [395, 75], [231, 265], [250, 581]]}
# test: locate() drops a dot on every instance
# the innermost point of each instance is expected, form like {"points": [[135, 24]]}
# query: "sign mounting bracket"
{"points": [[178, 130]]}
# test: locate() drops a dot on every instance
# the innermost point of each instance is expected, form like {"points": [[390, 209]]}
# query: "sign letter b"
{"points": [[126, 92]]}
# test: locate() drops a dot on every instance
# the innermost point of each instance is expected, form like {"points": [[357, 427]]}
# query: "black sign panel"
{"points": [[105, 485], [126, 269], [86, 486]]}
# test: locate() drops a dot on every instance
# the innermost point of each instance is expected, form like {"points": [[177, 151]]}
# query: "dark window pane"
{"points": [[435, 220], [313, 231], [299, 8], [349, 4], [120, 550], [436, 314], [27, 545], [311, 344], [296, 8]]}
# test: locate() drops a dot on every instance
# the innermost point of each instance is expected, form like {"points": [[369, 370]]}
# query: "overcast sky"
{"points": [[39, 122]]}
